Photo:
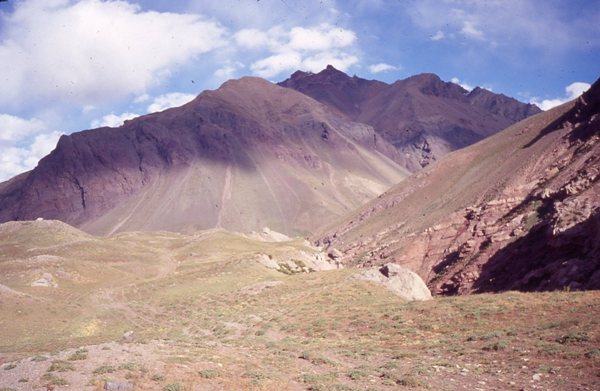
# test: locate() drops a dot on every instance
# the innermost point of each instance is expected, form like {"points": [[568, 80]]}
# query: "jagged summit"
{"points": [[423, 116]]}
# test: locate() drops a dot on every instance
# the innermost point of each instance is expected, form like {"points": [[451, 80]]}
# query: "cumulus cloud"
{"points": [[382, 67], [158, 103], [15, 132], [94, 51], [13, 129], [228, 71], [470, 30], [572, 91], [306, 48], [113, 120], [506, 23], [464, 85], [439, 35], [172, 99]]}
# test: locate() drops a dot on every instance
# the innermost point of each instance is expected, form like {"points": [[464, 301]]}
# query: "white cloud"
{"points": [[439, 35], [464, 85], [252, 38], [471, 31], [93, 51], [113, 120], [506, 23], [382, 67], [41, 146], [277, 63], [307, 48], [16, 132], [323, 37], [572, 91], [319, 61], [172, 99], [13, 129], [158, 103], [141, 98], [228, 70]]}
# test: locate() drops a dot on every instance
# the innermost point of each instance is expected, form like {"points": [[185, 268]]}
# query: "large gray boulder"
{"points": [[400, 280]]}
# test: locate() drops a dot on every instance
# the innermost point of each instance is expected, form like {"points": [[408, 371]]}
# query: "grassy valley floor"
{"points": [[198, 312]]}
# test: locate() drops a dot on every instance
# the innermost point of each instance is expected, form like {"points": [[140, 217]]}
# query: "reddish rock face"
{"points": [[423, 116], [519, 210], [248, 155]]}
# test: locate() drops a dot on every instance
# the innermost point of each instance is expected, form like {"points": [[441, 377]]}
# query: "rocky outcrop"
{"points": [[422, 116], [520, 210], [400, 280]]}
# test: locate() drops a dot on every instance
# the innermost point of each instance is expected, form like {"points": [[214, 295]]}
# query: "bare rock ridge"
{"points": [[248, 155], [517, 211], [423, 116]]}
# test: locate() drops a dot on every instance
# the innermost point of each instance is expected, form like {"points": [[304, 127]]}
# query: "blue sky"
{"points": [[71, 65]]}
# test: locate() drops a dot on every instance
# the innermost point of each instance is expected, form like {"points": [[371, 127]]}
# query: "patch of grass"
{"points": [[572, 338], [594, 353], [80, 354], [173, 387], [316, 359], [410, 381], [158, 377], [209, 373], [39, 358], [60, 366], [318, 382], [8, 367], [129, 366], [104, 369], [357, 374], [52, 379], [496, 346], [23, 380]]}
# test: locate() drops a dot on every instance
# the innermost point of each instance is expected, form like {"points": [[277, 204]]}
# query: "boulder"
{"points": [[398, 279]]}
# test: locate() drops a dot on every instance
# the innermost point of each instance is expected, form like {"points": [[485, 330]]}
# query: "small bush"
{"points": [[593, 353], [8, 367], [356, 375], [104, 369], [158, 377], [80, 354], [573, 338], [173, 387], [496, 346], [54, 380], [60, 366], [39, 358], [208, 373]]}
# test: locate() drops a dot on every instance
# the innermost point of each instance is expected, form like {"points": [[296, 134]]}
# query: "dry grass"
{"points": [[193, 325]]}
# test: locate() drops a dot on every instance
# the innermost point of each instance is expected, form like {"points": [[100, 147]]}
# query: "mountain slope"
{"points": [[519, 210], [424, 117], [248, 155]]}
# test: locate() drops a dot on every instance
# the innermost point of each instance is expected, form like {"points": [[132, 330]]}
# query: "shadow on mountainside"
{"points": [[543, 261]]}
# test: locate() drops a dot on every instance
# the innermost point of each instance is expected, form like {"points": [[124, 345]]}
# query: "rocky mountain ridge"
{"points": [[248, 155], [520, 210], [423, 116]]}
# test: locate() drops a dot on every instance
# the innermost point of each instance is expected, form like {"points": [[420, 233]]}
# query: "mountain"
{"points": [[423, 116], [519, 210], [248, 155]]}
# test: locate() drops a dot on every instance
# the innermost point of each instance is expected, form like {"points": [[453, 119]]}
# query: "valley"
{"points": [[200, 312]]}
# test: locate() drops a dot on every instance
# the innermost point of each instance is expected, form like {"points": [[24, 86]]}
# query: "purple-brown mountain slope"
{"points": [[423, 116], [518, 210], [248, 155]]}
